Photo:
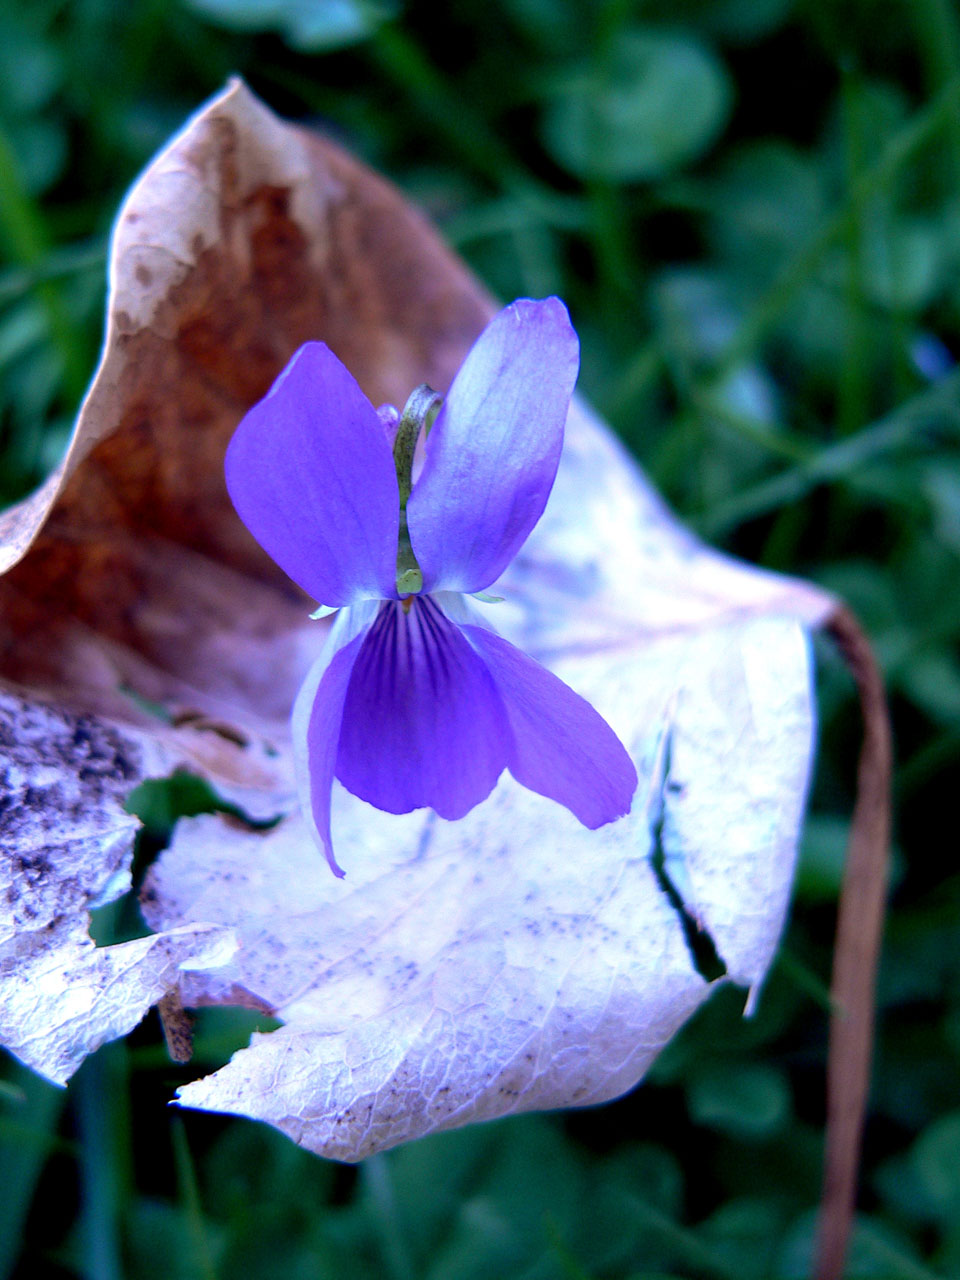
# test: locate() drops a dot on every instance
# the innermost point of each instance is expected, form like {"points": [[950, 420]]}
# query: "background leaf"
{"points": [[656, 103], [311, 25]]}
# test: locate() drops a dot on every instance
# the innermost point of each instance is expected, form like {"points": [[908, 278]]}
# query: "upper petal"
{"points": [[561, 747], [311, 475], [423, 724], [493, 452]]}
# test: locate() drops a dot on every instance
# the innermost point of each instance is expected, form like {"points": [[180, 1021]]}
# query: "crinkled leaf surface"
{"points": [[66, 849], [509, 961]]}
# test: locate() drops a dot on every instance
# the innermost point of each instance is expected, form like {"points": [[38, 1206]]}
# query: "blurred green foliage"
{"points": [[753, 210]]}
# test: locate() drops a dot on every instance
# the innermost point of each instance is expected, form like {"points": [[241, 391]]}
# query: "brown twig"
{"points": [[177, 1027], [857, 951]]}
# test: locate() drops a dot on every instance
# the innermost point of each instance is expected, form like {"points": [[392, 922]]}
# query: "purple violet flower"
{"points": [[415, 701]]}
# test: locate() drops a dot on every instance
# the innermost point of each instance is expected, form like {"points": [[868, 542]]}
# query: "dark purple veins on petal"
{"points": [[423, 724]]}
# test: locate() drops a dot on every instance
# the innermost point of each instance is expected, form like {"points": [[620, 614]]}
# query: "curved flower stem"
{"points": [[857, 951]]}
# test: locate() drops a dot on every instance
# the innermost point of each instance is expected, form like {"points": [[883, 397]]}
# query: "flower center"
{"points": [[418, 414]]}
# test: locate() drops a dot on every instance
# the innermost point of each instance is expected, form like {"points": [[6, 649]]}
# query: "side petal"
{"points": [[423, 724], [316, 721], [310, 472], [493, 452], [562, 747]]}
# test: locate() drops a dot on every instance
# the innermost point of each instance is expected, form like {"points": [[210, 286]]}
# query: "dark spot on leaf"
{"points": [[703, 952]]}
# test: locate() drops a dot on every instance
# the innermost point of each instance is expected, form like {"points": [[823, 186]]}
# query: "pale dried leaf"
{"points": [[66, 844], [413, 993], [516, 960]]}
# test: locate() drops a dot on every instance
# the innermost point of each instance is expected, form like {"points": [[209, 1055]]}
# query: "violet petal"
{"points": [[493, 451], [562, 747], [317, 716], [423, 724], [311, 475]]}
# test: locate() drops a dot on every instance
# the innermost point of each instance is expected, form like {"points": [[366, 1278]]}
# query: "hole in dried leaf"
{"points": [[703, 952], [160, 802], [118, 921]]}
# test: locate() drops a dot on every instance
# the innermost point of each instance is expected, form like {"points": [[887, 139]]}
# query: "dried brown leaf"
{"points": [[130, 580]]}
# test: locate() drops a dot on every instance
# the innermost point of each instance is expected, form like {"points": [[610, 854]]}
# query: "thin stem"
{"points": [[611, 238], [190, 1199], [401, 59], [856, 953], [103, 1124], [74, 259], [395, 1255], [638, 377], [853, 389], [23, 1152], [932, 413], [938, 33], [682, 1241], [803, 978]]}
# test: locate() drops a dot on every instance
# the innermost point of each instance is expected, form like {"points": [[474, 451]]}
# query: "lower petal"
{"points": [[423, 724], [562, 747], [317, 716]]}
